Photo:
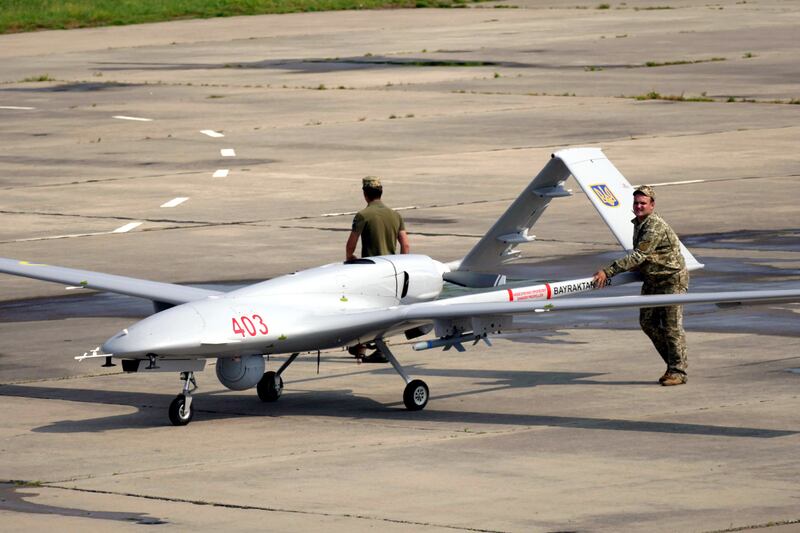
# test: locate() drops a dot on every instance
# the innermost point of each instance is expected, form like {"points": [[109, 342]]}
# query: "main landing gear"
{"points": [[270, 386], [180, 410], [416, 393]]}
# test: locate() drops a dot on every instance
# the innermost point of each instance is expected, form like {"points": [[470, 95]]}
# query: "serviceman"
{"points": [[657, 257], [380, 229]]}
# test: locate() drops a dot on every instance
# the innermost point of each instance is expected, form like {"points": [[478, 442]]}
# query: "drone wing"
{"points": [[441, 310], [167, 293], [455, 323]]}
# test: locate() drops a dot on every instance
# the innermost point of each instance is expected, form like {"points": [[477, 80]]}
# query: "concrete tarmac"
{"points": [[258, 129]]}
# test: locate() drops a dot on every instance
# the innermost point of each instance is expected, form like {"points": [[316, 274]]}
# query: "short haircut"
{"points": [[373, 193]]}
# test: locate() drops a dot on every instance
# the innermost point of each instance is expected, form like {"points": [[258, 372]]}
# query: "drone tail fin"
{"points": [[607, 189], [610, 193]]}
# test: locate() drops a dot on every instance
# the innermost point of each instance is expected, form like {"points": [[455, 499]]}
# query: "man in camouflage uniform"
{"points": [[380, 229], [657, 256]]}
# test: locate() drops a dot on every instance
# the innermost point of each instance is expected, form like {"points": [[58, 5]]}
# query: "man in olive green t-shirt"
{"points": [[379, 227]]}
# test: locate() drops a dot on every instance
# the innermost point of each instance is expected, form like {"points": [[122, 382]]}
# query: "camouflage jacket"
{"points": [[656, 251]]}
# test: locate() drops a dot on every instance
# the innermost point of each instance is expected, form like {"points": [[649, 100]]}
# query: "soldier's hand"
{"points": [[600, 279]]}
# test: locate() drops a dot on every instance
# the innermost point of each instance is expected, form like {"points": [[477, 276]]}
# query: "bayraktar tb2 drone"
{"points": [[369, 300]]}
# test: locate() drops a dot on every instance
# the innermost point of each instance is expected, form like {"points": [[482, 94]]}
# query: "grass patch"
{"points": [[405, 63], [43, 77], [682, 62], [791, 101], [653, 95], [30, 15], [24, 483]]}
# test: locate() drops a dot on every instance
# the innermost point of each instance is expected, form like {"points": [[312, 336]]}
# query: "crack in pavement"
{"points": [[262, 508], [423, 233], [121, 217], [445, 234], [100, 180], [770, 524]]}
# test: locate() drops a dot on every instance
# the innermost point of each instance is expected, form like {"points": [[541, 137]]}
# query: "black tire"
{"points": [[270, 387], [178, 414], [416, 395]]}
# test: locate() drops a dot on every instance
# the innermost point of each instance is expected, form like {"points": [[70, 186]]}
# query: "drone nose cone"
{"points": [[171, 332]]}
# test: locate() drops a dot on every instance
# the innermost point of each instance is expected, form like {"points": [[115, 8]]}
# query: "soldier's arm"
{"points": [[352, 240], [405, 244], [350, 247], [637, 256]]}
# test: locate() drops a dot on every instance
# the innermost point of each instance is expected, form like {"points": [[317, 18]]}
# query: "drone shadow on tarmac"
{"points": [[151, 408]]}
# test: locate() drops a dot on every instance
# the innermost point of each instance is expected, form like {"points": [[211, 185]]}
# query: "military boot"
{"points": [[375, 357], [674, 379]]}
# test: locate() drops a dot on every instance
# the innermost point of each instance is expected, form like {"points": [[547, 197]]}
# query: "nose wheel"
{"points": [[180, 410]]}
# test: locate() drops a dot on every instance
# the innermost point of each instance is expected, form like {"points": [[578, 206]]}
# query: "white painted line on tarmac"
{"points": [[127, 227], [228, 152], [22, 108], [140, 119], [67, 236], [212, 133], [221, 173], [687, 182], [338, 214], [343, 213], [175, 201]]}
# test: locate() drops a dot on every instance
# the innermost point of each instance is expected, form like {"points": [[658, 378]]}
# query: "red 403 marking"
{"points": [[251, 326]]}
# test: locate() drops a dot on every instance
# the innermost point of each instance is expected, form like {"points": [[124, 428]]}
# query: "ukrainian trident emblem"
{"points": [[606, 196]]}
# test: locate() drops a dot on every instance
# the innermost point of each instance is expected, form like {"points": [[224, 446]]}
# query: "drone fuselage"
{"points": [[309, 310]]}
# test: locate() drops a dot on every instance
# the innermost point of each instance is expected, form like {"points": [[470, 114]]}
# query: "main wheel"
{"points": [[416, 395], [179, 414], [270, 387]]}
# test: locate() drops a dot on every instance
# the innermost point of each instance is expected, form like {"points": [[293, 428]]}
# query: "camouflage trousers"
{"points": [[664, 325]]}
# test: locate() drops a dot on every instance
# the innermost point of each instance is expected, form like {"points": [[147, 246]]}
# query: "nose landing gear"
{"points": [[180, 410]]}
